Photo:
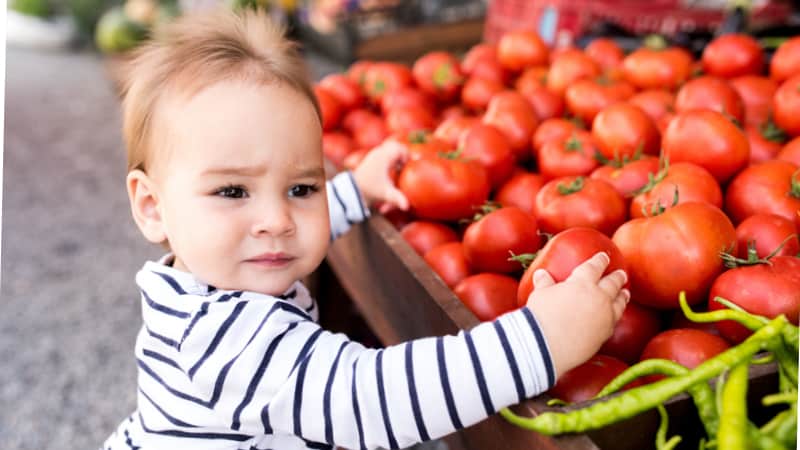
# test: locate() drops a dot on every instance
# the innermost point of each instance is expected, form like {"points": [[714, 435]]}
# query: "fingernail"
{"points": [[539, 274], [624, 276], [627, 294], [605, 256]]}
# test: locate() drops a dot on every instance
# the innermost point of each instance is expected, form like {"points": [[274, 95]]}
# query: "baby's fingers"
{"points": [[620, 302], [590, 270], [613, 282]]}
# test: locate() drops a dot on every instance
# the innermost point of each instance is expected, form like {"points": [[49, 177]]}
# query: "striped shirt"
{"points": [[221, 369]]}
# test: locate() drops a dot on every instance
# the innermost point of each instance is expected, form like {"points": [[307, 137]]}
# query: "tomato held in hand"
{"points": [[520, 190], [489, 147], [511, 113], [712, 93], [631, 177], [585, 381], [708, 139], [633, 331], [732, 55], [675, 251], [444, 189], [786, 61], [520, 49], [686, 346], [623, 130], [449, 262], [786, 106], [685, 181], [564, 252], [423, 235], [574, 155], [439, 73], [768, 232], [647, 68], [490, 241], [768, 187], [568, 202], [768, 290], [487, 295]]}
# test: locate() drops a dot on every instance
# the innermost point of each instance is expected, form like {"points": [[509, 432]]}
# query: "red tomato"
{"points": [[768, 187], [605, 52], [569, 156], [687, 346], [584, 382], [633, 331], [450, 130], [712, 93], [356, 118], [439, 73], [336, 146], [490, 241], [708, 139], [631, 177], [568, 202], [675, 251], [623, 130], [767, 290], [358, 72], [405, 97], [346, 91], [449, 262], [569, 67], [444, 189], [564, 252], [763, 146], [550, 129], [767, 232], [329, 107], [656, 103], [423, 235], [404, 120], [657, 69], [520, 191], [732, 55], [487, 295], [371, 132], [692, 183], [490, 69], [586, 98], [786, 106], [398, 218], [520, 49], [786, 61], [756, 93], [791, 152], [510, 113], [532, 78], [545, 103], [489, 147], [478, 54], [477, 92], [382, 77], [452, 111]]}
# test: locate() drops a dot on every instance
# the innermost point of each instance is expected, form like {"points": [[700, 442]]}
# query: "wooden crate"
{"points": [[401, 298]]}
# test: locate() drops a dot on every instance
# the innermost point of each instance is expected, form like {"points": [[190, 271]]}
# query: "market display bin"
{"points": [[401, 298]]}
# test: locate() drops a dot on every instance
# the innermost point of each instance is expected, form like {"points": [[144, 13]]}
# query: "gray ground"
{"points": [[69, 253]]}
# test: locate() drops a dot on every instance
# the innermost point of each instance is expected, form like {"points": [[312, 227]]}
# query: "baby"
{"points": [[226, 171]]}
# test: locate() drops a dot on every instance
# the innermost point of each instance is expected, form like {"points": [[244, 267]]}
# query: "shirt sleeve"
{"points": [[345, 204], [277, 372]]}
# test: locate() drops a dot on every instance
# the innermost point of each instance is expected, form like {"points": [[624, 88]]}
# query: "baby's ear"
{"points": [[144, 206]]}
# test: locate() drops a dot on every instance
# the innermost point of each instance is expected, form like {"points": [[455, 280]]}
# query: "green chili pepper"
{"points": [[733, 424], [762, 441], [749, 321], [701, 393], [643, 398], [661, 434], [786, 430]]}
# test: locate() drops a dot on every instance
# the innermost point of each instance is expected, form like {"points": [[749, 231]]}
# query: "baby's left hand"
{"points": [[374, 176]]}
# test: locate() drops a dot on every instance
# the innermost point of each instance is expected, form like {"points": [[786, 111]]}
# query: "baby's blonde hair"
{"points": [[194, 52]]}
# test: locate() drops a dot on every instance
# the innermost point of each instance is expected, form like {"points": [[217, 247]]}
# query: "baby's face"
{"points": [[241, 186]]}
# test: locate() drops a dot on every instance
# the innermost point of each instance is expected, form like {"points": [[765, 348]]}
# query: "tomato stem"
{"points": [[794, 185], [485, 209], [575, 186], [772, 133], [418, 137], [573, 144], [525, 259], [653, 180]]}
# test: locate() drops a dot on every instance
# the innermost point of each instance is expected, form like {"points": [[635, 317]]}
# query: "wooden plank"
{"points": [[407, 44]]}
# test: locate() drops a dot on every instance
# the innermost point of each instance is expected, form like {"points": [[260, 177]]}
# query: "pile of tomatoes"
{"points": [[524, 156]]}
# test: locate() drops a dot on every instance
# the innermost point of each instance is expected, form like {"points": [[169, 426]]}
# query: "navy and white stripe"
{"points": [[345, 204], [240, 370]]}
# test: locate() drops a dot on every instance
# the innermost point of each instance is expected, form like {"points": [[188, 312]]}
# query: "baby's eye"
{"points": [[231, 192], [302, 190]]}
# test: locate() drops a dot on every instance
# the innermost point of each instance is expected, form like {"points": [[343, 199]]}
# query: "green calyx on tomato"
{"points": [[418, 137], [657, 208], [525, 259], [575, 186], [484, 209], [655, 42], [653, 180], [772, 132], [794, 187], [444, 76], [378, 87], [573, 144], [733, 262], [618, 162]]}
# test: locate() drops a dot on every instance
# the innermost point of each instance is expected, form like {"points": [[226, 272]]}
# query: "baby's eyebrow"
{"points": [[234, 170], [311, 172]]}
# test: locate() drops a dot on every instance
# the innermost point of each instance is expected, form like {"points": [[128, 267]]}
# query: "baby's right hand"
{"points": [[578, 315]]}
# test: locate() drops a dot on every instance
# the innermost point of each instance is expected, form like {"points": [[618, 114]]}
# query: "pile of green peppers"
{"points": [[722, 408]]}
